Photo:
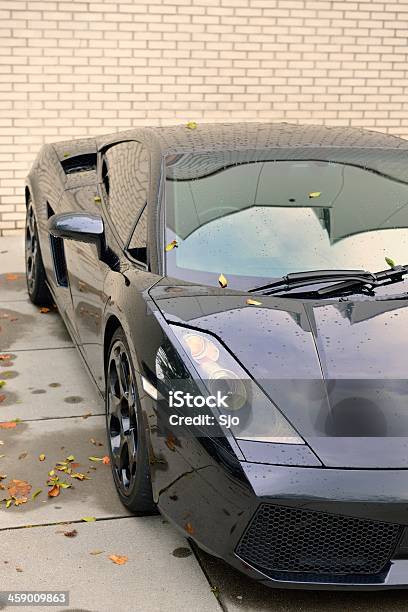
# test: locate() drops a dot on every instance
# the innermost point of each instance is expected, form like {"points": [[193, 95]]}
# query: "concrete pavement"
{"points": [[60, 412]]}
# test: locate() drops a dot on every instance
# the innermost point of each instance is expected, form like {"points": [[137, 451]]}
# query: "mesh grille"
{"points": [[280, 539]]}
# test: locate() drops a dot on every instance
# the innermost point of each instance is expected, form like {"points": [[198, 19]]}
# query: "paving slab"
{"points": [[12, 253], [161, 573], [24, 327], [58, 439], [46, 384], [13, 287]]}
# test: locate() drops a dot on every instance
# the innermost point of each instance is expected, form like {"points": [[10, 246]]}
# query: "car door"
{"points": [[123, 172]]}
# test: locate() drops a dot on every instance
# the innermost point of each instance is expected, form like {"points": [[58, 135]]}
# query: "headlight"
{"points": [[259, 418]]}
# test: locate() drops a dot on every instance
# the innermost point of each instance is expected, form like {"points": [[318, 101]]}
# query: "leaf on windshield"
{"points": [[172, 245], [390, 262], [314, 194], [222, 281], [253, 302]]}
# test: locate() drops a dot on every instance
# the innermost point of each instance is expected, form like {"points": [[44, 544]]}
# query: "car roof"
{"points": [[245, 136]]}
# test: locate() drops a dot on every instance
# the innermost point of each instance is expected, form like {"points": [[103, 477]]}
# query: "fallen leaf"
{"points": [[95, 442], [8, 503], [2, 383], [2, 397], [5, 357], [23, 455], [314, 194], [64, 485], [253, 302], [54, 491], [8, 425], [87, 415], [95, 458], [106, 460], [44, 310], [74, 465], [390, 262], [171, 442], [96, 552], [70, 458], [51, 473], [191, 125], [36, 494], [97, 199], [80, 476], [118, 559], [41, 457], [70, 534], [11, 277], [3, 476], [172, 245], [19, 569], [20, 500], [19, 488], [222, 281], [88, 519], [189, 528], [216, 591]]}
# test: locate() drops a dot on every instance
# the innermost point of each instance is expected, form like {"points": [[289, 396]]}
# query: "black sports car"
{"points": [[238, 294]]}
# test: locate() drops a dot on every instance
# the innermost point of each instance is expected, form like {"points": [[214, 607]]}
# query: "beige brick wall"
{"points": [[74, 68]]}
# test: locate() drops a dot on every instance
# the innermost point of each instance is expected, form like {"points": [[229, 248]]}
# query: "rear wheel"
{"points": [[126, 435], [37, 288]]}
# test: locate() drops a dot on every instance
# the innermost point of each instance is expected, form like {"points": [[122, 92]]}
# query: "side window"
{"points": [[138, 242], [125, 173]]}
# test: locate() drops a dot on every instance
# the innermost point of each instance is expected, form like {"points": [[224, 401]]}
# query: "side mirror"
{"points": [[82, 227]]}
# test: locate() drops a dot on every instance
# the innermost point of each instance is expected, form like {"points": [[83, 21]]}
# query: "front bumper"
{"points": [[216, 506]]}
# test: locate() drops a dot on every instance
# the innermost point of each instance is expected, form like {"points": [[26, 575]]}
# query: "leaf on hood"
{"points": [[390, 262], [88, 519], [314, 194], [118, 559], [106, 460], [222, 281], [54, 491], [172, 245], [253, 302], [19, 488], [70, 534], [41, 457], [8, 425], [191, 125], [36, 494], [44, 310]]}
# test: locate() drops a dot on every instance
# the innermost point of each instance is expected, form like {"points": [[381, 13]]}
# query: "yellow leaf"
{"points": [[51, 473], [36, 494], [2, 383], [95, 458], [8, 503], [191, 125], [41, 457], [390, 262], [69, 458], [80, 476], [96, 552], [97, 199], [253, 302], [172, 245], [118, 559], [314, 194], [88, 519], [222, 281]]}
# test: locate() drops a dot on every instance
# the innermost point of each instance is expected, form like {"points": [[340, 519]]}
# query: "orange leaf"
{"points": [[41, 457], [19, 488], [54, 491], [8, 425], [5, 357], [118, 559], [189, 528], [20, 500], [2, 397], [44, 310], [11, 277], [106, 460]]}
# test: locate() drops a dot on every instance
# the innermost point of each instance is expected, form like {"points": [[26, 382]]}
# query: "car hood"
{"points": [[337, 369]]}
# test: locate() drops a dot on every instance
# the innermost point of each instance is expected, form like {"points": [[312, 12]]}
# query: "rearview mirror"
{"points": [[81, 227]]}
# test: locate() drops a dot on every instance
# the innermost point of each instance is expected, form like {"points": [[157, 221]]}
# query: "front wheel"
{"points": [[126, 435], [38, 291]]}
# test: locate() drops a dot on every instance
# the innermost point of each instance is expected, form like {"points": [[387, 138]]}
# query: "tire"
{"points": [[127, 440], [38, 291]]}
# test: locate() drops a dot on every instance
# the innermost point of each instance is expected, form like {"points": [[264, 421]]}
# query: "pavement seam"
{"points": [[77, 521]]}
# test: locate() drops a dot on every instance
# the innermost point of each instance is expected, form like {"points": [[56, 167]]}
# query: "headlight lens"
{"points": [[259, 418]]}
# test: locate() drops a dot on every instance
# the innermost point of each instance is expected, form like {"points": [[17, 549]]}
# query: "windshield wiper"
{"points": [[340, 281]]}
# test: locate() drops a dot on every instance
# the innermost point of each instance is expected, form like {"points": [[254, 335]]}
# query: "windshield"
{"points": [[251, 217]]}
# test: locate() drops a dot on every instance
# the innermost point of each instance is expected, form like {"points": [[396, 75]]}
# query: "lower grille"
{"points": [[280, 539]]}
